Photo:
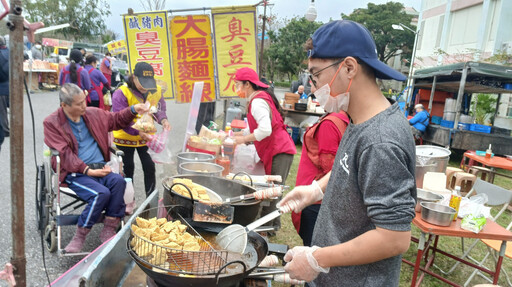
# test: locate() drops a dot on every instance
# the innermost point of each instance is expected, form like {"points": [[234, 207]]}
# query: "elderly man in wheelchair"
{"points": [[80, 135]]}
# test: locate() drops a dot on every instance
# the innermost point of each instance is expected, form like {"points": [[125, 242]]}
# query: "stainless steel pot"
{"points": [[245, 212], [200, 168], [194, 157], [430, 158]]}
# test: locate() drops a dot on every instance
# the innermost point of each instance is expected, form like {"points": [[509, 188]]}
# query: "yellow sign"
{"points": [[148, 41], [235, 43], [117, 47], [192, 56]]}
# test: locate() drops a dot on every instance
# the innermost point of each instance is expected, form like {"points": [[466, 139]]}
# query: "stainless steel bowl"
{"points": [[426, 196], [200, 168], [437, 214], [194, 157]]}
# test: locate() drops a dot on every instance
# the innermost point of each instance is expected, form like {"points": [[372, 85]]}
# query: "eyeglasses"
{"points": [[321, 70]]}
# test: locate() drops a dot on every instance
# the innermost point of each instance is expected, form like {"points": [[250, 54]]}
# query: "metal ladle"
{"points": [[234, 237]]}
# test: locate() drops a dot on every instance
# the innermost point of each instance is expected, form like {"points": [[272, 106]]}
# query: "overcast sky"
{"points": [[326, 9]]}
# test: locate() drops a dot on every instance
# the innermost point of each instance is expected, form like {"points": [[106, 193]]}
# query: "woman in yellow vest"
{"points": [[140, 88]]}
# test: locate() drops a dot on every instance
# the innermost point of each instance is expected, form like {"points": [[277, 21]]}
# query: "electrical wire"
{"points": [[37, 173]]}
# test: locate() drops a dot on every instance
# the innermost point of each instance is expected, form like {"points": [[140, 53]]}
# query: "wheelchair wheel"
{"points": [[50, 238], [42, 210]]}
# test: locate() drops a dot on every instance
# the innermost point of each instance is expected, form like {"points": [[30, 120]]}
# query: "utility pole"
{"points": [[265, 3], [15, 24]]}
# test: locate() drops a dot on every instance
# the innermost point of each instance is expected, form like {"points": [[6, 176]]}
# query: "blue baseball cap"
{"points": [[344, 38]]}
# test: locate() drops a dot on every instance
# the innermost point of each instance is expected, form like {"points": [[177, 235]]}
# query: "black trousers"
{"points": [[148, 166], [307, 223]]}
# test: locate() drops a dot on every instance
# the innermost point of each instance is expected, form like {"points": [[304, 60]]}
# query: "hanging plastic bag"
{"points": [[159, 141], [157, 148], [129, 197]]}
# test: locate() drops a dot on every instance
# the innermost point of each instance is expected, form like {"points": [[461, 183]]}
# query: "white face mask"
{"points": [[38, 47], [333, 104], [329, 103]]}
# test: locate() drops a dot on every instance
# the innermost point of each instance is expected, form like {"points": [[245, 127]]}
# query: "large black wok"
{"points": [[245, 212], [237, 269]]}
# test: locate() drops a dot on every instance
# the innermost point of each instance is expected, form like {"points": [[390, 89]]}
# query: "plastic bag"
{"points": [[129, 197], [145, 124], [159, 141], [157, 148], [474, 206], [114, 164], [107, 99]]}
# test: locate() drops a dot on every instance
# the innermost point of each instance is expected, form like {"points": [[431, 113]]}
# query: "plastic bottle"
{"points": [[233, 112], [488, 152], [455, 201]]}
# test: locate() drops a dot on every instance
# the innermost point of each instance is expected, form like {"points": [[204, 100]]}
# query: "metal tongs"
{"points": [[223, 212]]}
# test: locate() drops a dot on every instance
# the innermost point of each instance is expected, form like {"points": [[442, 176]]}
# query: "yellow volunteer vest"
{"points": [[120, 136]]}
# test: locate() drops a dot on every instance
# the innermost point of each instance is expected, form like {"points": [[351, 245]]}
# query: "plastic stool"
{"points": [[450, 171], [468, 179], [484, 173]]}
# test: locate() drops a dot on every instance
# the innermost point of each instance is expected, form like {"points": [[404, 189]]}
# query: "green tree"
{"points": [[484, 108], [378, 19], [85, 16], [109, 36], [287, 48]]}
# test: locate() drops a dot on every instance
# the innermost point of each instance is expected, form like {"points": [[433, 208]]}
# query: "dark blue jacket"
{"points": [[4, 71]]}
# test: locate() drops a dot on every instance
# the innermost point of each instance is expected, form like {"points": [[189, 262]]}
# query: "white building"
{"points": [[453, 31]]}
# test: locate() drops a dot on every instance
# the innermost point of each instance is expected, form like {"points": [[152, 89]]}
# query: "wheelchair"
{"points": [[56, 204]]}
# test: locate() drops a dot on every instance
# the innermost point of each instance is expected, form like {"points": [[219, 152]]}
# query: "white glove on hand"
{"points": [[300, 197], [302, 264]]}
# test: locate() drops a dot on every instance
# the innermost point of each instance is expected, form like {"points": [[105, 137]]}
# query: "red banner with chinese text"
{"points": [[192, 56], [147, 40], [235, 44]]}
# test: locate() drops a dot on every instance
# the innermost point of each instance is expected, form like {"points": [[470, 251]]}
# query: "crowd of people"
{"points": [[355, 190]]}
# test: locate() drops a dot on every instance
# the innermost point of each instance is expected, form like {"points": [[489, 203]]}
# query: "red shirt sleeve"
{"points": [[328, 138]]}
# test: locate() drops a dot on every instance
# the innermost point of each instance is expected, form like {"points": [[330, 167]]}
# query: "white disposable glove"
{"points": [[302, 264], [301, 196]]}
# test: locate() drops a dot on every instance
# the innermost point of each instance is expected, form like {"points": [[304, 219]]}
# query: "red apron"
{"points": [[310, 149], [98, 89], [65, 73], [279, 141]]}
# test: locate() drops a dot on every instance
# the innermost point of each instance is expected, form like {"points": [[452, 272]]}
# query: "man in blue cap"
{"points": [[364, 222]]}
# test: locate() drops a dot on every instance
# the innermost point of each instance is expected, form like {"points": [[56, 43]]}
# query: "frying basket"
{"points": [[206, 261]]}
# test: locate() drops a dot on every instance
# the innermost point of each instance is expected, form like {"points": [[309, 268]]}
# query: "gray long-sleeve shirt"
{"points": [[372, 184]]}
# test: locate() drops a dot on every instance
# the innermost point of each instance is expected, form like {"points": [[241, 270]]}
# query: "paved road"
{"points": [[45, 103]]}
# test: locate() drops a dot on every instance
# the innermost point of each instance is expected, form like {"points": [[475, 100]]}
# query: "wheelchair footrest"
{"points": [[68, 219]]}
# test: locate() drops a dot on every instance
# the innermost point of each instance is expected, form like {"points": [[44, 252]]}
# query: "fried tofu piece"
{"points": [[152, 222], [141, 222], [187, 237], [173, 245], [191, 246], [182, 228], [141, 232], [161, 221], [144, 249], [168, 227], [159, 257], [155, 237]]}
